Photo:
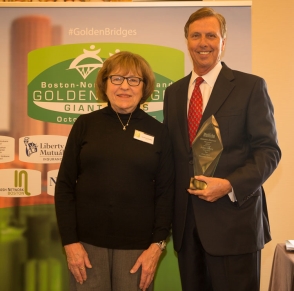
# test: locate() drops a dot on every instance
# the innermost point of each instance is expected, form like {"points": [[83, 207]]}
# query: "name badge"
{"points": [[142, 136]]}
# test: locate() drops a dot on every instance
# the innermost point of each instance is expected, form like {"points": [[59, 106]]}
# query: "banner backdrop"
{"points": [[50, 57]]}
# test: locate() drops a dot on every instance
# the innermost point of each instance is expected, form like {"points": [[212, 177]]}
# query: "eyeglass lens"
{"points": [[118, 80]]}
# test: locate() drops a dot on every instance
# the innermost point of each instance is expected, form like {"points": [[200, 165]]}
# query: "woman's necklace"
{"points": [[124, 125]]}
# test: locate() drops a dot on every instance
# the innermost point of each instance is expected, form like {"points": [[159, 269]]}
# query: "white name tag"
{"points": [[139, 135]]}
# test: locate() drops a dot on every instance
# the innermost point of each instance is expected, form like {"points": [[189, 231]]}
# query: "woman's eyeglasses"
{"points": [[132, 81]]}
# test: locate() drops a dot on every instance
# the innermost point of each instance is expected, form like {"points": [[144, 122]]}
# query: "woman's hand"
{"points": [[148, 260], [77, 261]]}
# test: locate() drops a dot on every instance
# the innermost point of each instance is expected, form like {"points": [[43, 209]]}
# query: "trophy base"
{"points": [[197, 184]]}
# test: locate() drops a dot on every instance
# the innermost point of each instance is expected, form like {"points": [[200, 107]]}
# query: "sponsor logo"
{"points": [[51, 181], [30, 147], [6, 149], [62, 87], [85, 69], [20, 183], [44, 149]]}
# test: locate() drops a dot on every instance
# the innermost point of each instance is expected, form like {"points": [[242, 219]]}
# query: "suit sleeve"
{"points": [[262, 151]]}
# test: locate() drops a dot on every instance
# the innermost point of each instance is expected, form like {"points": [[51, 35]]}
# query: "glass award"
{"points": [[207, 148]]}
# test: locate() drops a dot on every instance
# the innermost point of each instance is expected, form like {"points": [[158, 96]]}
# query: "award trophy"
{"points": [[207, 148]]}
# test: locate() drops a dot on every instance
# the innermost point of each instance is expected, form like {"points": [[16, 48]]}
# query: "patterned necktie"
{"points": [[195, 110]]}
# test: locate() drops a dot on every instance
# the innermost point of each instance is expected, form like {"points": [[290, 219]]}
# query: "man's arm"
{"points": [[255, 156]]}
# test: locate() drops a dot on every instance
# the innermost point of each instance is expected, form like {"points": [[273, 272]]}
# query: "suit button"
{"points": [[191, 162]]}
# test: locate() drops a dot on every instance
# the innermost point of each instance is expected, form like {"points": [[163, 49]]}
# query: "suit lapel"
{"points": [[221, 90], [182, 94]]}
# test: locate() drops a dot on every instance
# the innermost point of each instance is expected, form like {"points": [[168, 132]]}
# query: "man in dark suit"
{"points": [[219, 232]]}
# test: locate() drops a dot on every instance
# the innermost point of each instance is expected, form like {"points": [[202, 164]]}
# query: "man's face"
{"points": [[205, 44]]}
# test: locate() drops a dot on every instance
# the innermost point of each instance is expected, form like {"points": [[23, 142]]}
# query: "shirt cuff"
{"points": [[232, 196]]}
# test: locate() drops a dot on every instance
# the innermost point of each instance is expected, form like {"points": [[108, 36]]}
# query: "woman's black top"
{"points": [[112, 190]]}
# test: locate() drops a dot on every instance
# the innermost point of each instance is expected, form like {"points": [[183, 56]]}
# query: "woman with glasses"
{"points": [[114, 190]]}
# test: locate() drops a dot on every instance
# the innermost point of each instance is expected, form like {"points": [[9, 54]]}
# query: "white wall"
{"points": [[273, 58]]}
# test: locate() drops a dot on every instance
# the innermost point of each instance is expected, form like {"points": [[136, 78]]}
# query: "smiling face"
{"points": [[124, 98], [205, 44]]}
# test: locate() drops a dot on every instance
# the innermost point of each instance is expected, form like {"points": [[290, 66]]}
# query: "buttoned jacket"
{"points": [[242, 107]]}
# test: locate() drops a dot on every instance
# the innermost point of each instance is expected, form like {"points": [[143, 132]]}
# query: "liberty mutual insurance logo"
{"points": [[46, 149], [30, 147]]}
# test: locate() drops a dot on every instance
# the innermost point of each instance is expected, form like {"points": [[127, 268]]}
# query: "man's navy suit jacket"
{"points": [[244, 112]]}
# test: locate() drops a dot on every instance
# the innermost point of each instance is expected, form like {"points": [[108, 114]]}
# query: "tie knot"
{"points": [[199, 80]]}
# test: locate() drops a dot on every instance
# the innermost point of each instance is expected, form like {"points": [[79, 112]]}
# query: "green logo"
{"points": [[18, 181], [61, 78]]}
